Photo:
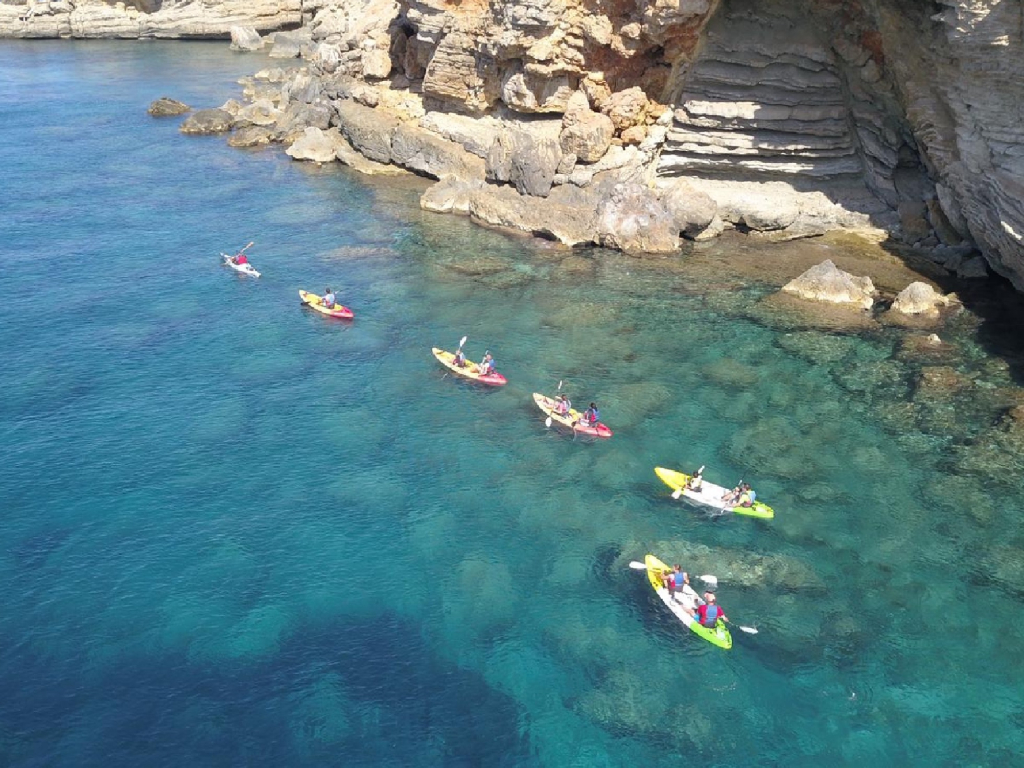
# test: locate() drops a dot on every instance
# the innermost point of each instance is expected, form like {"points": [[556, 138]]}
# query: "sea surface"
{"points": [[236, 532]]}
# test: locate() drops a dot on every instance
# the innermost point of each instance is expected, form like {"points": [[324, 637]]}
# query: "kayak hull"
{"points": [[710, 495], [718, 635], [547, 405], [242, 269], [314, 302], [471, 371]]}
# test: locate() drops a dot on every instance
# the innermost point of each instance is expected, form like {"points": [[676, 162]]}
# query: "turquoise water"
{"points": [[237, 532]]}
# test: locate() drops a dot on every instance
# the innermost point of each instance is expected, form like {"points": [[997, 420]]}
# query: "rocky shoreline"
{"points": [[640, 127]]}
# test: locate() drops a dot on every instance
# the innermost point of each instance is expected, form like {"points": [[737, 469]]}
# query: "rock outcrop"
{"points": [[921, 299], [792, 117], [167, 107], [144, 18], [826, 282]]}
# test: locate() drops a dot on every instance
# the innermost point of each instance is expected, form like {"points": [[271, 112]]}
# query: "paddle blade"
{"points": [[711, 581], [559, 386], [749, 630], [547, 422], [637, 566], [676, 493]]}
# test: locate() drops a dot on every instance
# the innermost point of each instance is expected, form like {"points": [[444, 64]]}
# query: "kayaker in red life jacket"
{"points": [[590, 416], [675, 580], [240, 258], [709, 613], [562, 405], [460, 358]]}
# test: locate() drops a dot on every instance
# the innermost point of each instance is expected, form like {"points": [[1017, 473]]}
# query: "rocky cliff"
{"points": [[635, 123], [144, 18]]}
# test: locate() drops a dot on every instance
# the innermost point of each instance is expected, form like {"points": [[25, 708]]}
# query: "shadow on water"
{"points": [[364, 692]]}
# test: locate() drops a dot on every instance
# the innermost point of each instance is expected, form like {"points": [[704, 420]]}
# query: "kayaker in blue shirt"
{"points": [[590, 416], [487, 365], [675, 580], [747, 496], [328, 299], [709, 613]]}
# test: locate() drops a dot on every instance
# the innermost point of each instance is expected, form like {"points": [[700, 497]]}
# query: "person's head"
{"points": [[328, 290], [593, 405], [676, 567], [709, 597]]}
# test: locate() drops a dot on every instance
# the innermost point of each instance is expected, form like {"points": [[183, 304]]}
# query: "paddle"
{"points": [[547, 421], [709, 579]]}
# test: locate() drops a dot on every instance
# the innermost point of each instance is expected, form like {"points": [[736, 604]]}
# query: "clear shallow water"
{"points": [[238, 532]]}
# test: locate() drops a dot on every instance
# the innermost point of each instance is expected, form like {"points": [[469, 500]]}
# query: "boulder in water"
{"points": [[207, 121], [167, 107], [920, 299], [245, 39], [316, 145], [826, 282]]}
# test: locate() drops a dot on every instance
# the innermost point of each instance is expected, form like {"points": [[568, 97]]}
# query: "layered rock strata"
{"points": [[785, 117], [145, 18]]}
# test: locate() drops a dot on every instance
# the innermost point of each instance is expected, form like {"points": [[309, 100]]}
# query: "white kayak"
{"points": [[244, 269], [710, 495]]}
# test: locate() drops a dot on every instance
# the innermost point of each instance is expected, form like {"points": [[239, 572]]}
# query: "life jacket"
{"points": [[241, 259], [710, 619]]}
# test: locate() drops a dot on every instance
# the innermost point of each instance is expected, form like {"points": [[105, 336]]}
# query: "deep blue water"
{"points": [[236, 532]]}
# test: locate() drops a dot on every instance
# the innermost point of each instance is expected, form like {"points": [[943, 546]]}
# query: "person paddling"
{"points": [[590, 416], [746, 497], [562, 405], [487, 365], [460, 358], [709, 613], [697, 481], [675, 580], [328, 299]]}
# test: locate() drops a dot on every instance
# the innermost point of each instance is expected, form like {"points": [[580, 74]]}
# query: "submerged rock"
{"points": [[826, 282], [167, 107]]}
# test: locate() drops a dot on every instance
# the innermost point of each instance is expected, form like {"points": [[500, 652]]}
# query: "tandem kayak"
{"points": [[717, 635], [314, 301], [242, 269], [710, 494], [470, 371], [547, 405]]}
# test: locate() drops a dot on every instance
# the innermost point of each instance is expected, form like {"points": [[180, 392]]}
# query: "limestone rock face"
{"points": [[585, 133], [368, 130], [826, 282], [316, 145], [424, 152], [205, 121], [144, 18], [632, 218], [920, 298], [526, 161], [245, 39], [166, 107]]}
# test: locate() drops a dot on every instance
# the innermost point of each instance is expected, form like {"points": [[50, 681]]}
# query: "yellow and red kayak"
{"points": [[572, 420], [314, 301], [469, 370]]}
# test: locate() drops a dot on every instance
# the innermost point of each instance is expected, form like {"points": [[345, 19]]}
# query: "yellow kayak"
{"points": [[314, 301], [710, 494], [469, 370], [547, 405]]}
